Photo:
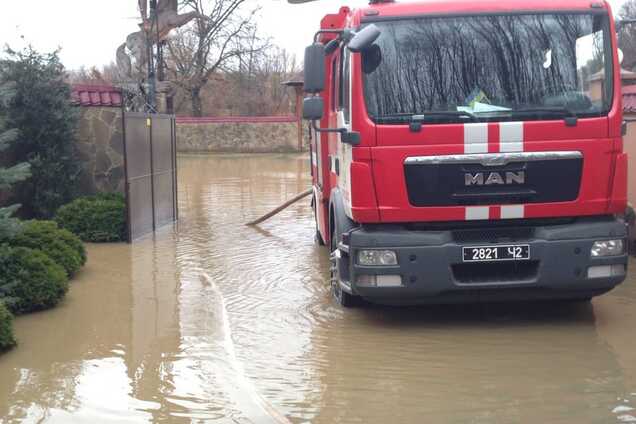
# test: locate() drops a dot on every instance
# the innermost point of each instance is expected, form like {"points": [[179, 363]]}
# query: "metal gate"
{"points": [[151, 172]]}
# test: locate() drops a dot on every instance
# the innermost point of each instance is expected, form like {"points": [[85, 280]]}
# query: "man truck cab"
{"points": [[468, 150]]}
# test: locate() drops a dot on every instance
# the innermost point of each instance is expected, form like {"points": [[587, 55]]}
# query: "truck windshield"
{"points": [[495, 67]]}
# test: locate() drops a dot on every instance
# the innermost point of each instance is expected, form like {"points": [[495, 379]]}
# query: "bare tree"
{"points": [[108, 74], [627, 35], [253, 87], [85, 75], [209, 45], [258, 79]]}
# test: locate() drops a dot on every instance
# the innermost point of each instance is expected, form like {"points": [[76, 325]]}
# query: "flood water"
{"points": [[212, 321]]}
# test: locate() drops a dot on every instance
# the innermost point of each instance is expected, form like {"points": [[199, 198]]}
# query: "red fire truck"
{"points": [[468, 150]]}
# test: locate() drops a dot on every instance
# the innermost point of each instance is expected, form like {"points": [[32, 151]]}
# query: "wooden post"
{"points": [[281, 208]]}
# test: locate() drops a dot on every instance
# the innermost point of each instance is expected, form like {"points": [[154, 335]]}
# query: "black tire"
{"points": [[342, 298]]}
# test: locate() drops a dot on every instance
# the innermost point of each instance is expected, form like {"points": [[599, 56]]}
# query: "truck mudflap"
{"points": [[432, 264]]}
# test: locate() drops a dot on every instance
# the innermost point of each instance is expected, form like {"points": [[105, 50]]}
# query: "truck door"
{"points": [[344, 151]]}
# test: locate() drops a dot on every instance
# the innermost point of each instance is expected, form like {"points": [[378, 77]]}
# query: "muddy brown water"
{"points": [[212, 321]]}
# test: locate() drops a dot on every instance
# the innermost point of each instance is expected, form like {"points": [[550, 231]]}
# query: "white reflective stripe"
{"points": [[319, 160], [511, 137], [476, 138], [513, 212], [474, 213]]}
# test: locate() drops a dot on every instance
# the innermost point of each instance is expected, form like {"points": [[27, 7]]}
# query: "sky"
{"points": [[89, 31]]}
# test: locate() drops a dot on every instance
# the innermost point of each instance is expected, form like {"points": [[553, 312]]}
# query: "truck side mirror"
{"points": [[364, 38], [313, 108], [315, 68]]}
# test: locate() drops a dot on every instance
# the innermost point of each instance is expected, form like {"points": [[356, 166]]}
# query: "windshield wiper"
{"points": [[571, 120], [446, 113], [547, 111], [415, 118]]}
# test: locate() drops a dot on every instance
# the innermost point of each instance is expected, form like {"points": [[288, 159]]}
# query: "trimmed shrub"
{"points": [[100, 218], [108, 196], [71, 240], [60, 245], [7, 340], [30, 280]]}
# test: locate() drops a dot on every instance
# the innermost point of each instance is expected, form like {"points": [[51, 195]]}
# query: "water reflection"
{"points": [[76, 361], [510, 363], [217, 322]]}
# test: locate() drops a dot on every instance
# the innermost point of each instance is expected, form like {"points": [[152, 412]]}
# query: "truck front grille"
{"points": [[456, 183], [495, 272]]}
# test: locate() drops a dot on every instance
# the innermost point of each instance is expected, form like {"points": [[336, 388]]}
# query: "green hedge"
{"points": [[60, 245], [100, 218], [30, 280], [71, 240], [7, 340]]}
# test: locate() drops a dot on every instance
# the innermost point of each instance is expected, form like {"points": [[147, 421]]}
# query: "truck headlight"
{"points": [[604, 248], [377, 258]]}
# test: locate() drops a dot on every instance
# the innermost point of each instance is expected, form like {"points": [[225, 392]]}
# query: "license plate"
{"points": [[497, 253]]}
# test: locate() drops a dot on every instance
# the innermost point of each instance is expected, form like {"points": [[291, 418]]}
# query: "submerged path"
{"points": [[213, 321]]}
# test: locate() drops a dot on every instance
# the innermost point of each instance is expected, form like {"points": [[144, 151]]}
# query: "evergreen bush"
{"points": [[30, 280], [100, 218], [41, 110], [60, 245], [7, 340], [9, 226]]}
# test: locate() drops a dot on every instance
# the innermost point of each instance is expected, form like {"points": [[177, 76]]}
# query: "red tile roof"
{"points": [[96, 95]]}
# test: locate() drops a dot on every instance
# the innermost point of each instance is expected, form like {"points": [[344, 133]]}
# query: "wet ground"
{"points": [[213, 321]]}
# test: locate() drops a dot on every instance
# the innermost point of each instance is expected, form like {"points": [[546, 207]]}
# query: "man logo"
{"points": [[494, 178]]}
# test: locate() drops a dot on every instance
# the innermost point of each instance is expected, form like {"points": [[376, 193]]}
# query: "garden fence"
{"points": [[151, 172]]}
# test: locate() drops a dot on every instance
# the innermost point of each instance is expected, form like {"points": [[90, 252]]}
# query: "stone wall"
{"points": [[101, 149], [237, 135]]}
